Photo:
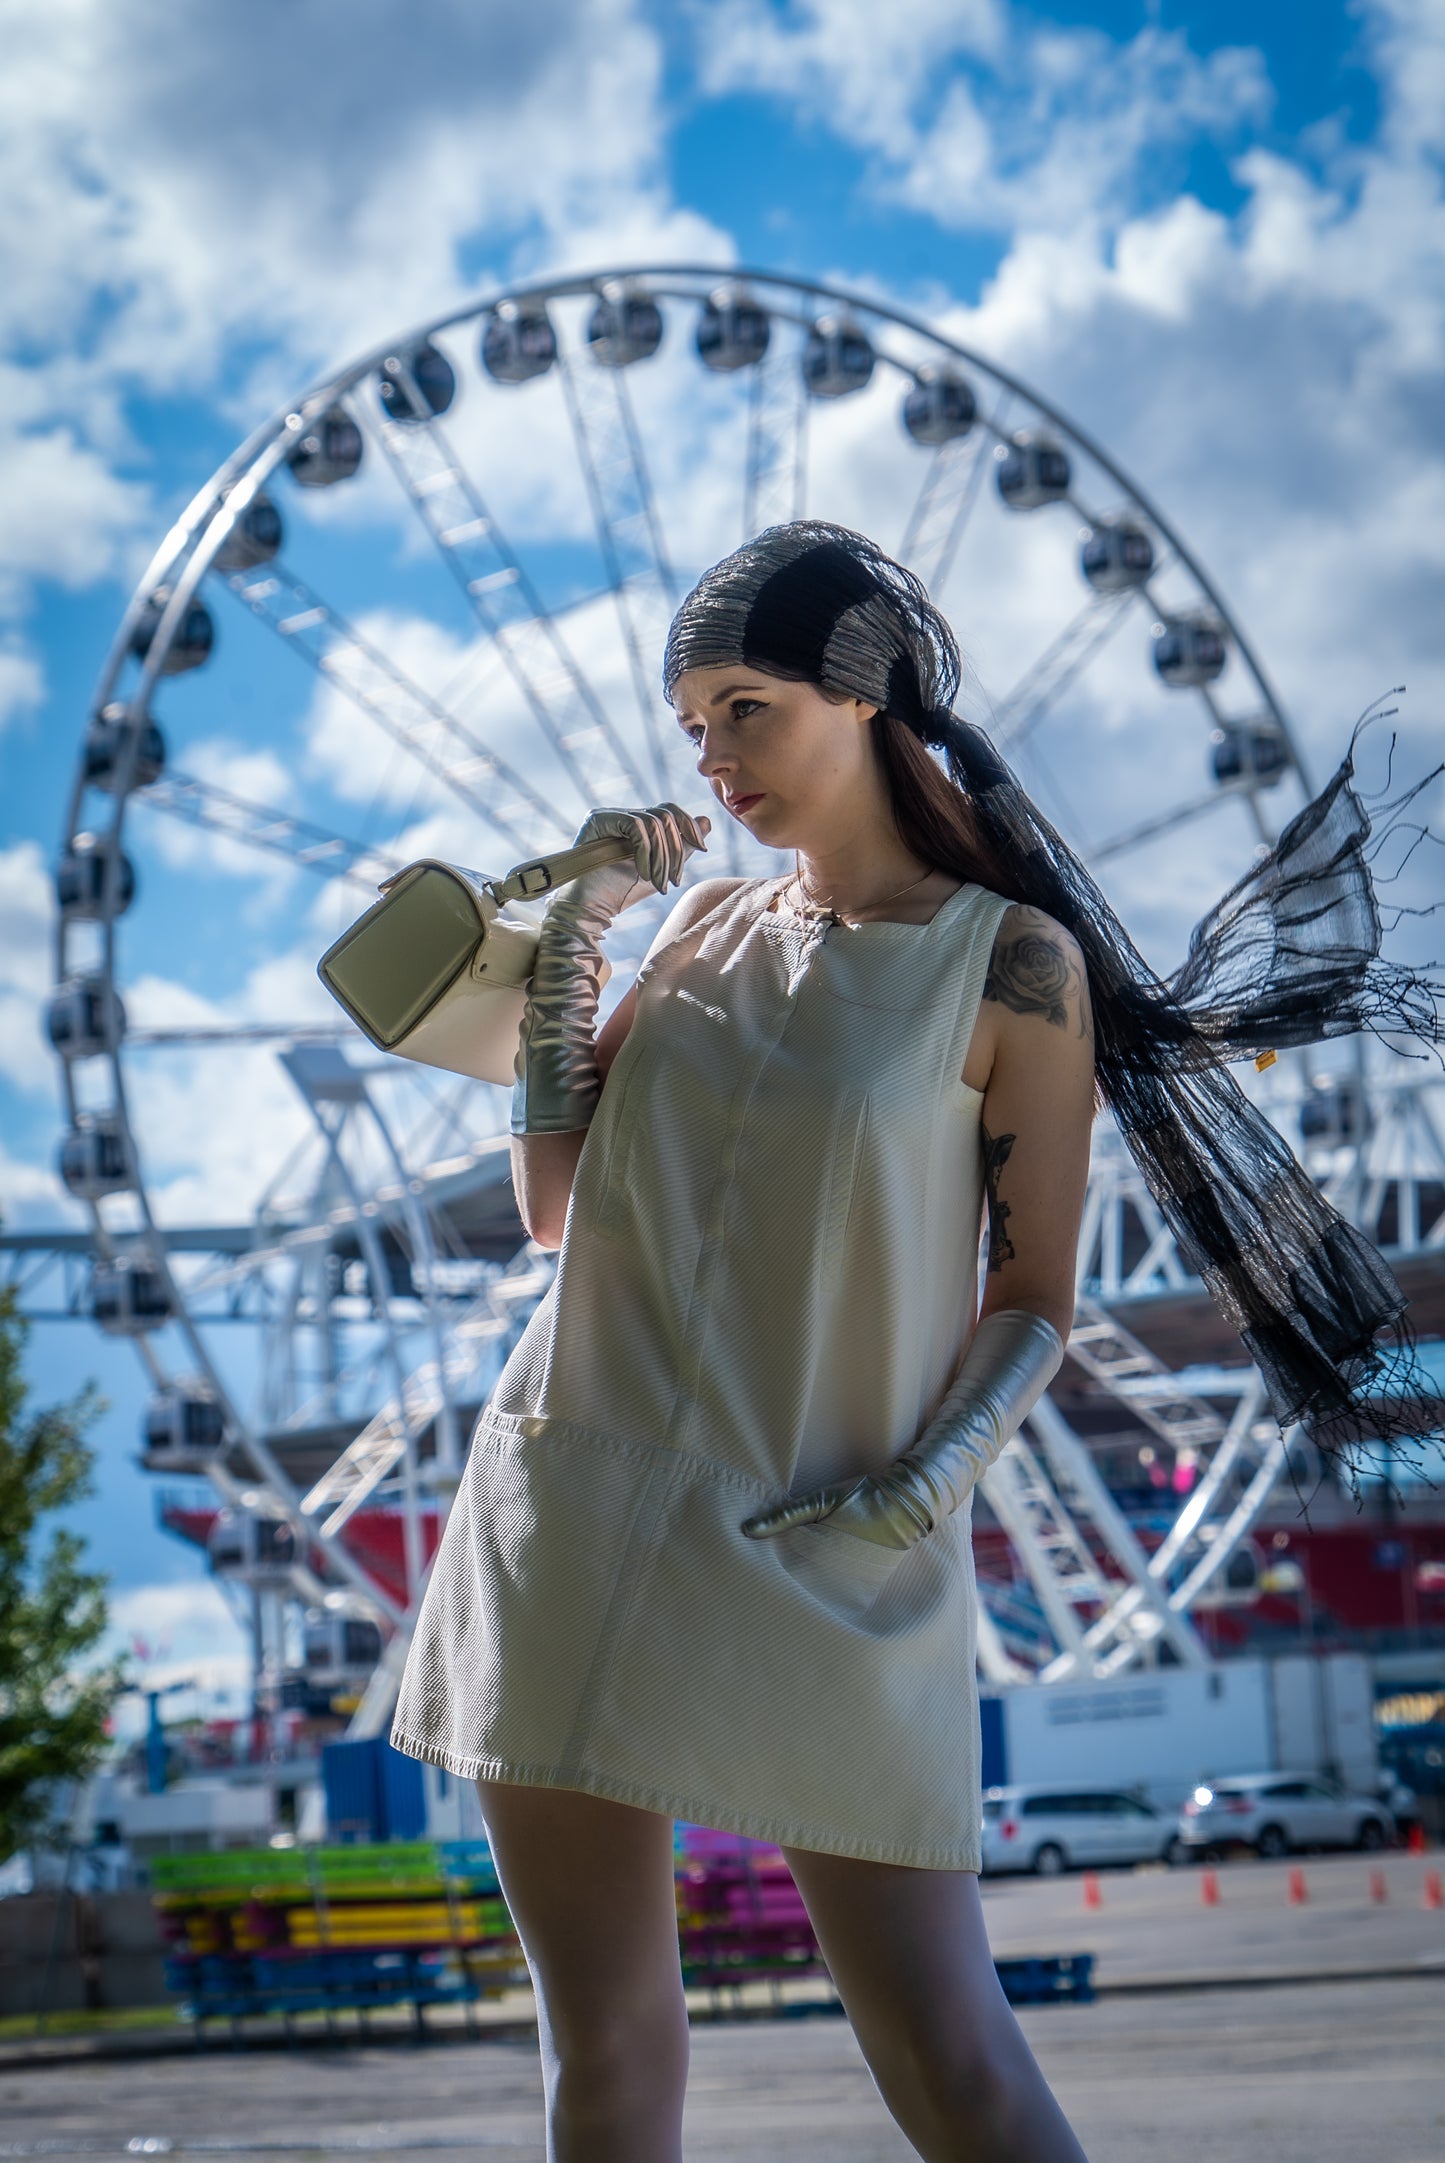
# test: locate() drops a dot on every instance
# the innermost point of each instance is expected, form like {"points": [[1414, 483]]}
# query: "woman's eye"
{"points": [[738, 709]]}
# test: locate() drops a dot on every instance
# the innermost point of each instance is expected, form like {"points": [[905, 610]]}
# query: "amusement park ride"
{"points": [[383, 1274]]}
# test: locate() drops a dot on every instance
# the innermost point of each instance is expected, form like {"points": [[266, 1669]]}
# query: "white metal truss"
{"points": [[1004, 1622], [629, 535], [1393, 1186], [944, 504], [1045, 1538], [373, 1715], [395, 1429], [775, 479], [1168, 822], [504, 600], [1047, 678], [423, 727], [260, 826], [1061, 1520]]}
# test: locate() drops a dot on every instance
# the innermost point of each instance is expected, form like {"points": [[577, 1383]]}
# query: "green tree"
{"points": [[53, 1708]]}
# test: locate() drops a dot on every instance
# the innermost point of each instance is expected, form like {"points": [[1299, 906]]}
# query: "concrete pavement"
{"points": [[1319, 2073]]}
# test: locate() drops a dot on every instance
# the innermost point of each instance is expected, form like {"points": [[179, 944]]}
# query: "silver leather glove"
{"points": [[557, 1082], [1009, 1364]]}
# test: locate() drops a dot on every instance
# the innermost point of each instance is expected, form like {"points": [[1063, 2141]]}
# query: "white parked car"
{"points": [[1275, 1812], [1047, 1830]]}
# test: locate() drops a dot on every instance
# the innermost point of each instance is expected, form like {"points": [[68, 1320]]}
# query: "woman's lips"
{"points": [[745, 803]]}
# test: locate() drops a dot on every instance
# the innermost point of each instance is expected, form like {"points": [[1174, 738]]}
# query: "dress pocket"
{"points": [[842, 1573]]}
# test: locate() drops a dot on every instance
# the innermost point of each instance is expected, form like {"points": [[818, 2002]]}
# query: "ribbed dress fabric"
{"points": [[767, 1280]]}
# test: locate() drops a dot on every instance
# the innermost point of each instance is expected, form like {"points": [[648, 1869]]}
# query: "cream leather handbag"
{"points": [[437, 970]]}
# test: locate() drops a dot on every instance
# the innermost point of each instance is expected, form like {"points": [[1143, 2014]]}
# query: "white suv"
{"points": [[1273, 1812], [1047, 1830]]}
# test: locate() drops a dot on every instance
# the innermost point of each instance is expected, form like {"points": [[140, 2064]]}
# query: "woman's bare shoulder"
{"points": [[1037, 968]]}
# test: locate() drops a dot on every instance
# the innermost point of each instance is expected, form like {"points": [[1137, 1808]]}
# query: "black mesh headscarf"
{"points": [[1290, 956]]}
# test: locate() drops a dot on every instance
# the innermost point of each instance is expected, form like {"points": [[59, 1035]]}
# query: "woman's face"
{"points": [[791, 764]]}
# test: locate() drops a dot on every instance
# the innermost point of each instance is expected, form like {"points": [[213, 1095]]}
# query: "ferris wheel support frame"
{"points": [[641, 582]]}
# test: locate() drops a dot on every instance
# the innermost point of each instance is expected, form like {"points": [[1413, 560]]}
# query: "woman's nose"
{"points": [[712, 759]]}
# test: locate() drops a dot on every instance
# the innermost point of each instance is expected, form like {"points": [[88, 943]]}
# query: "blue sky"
{"points": [[1212, 234]]}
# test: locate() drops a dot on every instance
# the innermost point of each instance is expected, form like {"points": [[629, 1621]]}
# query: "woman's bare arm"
{"points": [[1038, 1112], [545, 1165]]}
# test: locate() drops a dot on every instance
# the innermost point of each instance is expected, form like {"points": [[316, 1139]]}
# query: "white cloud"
{"points": [[179, 180], [980, 116], [31, 1193], [63, 513], [27, 912], [254, 776], [360, 760], [364, 764], [214, 1121], [217, 207], [1271, 377], [182, 1631], [22, 682], [1407, 38]]}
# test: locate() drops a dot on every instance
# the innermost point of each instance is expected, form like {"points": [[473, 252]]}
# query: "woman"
{"points": [[710, 1559]]}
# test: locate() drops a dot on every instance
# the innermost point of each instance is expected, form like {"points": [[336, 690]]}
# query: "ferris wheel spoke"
{"points": [[1137, 1614], [505, 602], [1131, 1613], [257, 1032], [1216, 1516], [1221, 1537], [360, 1470], [951, 486], [260, 826], [1054, 1553], [775, 478], [1065, 658], [411, 716], [629, 533], [1197, 807]]}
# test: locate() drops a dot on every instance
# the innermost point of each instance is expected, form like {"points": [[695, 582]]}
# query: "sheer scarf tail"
{"points": [[1290, 956]]}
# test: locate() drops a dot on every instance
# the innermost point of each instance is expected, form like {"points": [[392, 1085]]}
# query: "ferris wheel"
{"points": [[539, 476]]}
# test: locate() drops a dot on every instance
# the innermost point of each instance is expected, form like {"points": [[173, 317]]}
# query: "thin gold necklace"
{"points": [[822, 911]]}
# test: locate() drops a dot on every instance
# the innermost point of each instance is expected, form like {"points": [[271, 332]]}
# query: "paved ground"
{"points": [[1199, 2067], [1317, 2073], [1153, 1924]]}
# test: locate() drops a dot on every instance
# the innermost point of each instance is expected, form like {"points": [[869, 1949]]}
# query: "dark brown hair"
{"points": [[934, 816]]}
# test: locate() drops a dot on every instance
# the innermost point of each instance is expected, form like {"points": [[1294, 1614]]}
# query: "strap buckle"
{"points": [[525, 874]]}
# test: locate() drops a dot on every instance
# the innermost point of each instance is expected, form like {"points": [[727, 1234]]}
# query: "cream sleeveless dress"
{"points": [[767, 1280]]}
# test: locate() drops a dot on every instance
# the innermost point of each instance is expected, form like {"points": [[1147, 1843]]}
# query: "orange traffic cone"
{"points": [[1209, 1889], [1434, 1891], [1299, 1892], [1377, 1888], [1417, 1839], [1093, 1898]]}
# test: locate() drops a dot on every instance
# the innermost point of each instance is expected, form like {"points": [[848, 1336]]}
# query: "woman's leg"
{"points": [[590, 1887], [909, 1954]]}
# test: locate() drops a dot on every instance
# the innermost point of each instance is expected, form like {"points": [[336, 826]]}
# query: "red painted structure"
{"points": [[1364, 1580]]}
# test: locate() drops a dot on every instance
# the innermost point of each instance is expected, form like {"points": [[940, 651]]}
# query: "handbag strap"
{"points": [[526, 882]]}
